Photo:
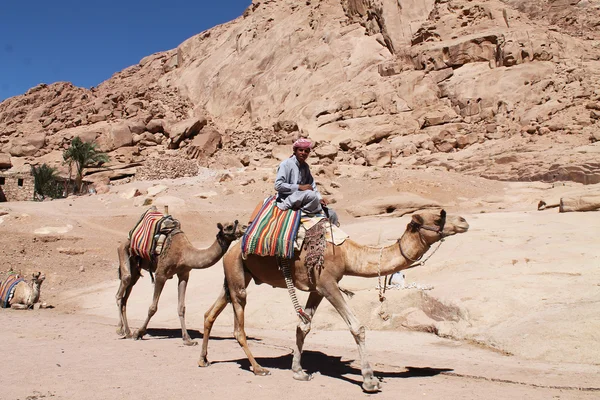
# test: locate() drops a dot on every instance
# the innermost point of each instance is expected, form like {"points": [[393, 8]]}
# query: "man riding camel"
{"points": [[296, 187]]}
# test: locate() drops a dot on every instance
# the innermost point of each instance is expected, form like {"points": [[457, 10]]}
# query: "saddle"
{"points": [[275, 232], [272, 231], [7, 289], [148, 236]]}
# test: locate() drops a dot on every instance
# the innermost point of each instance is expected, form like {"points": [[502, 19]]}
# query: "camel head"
{"points": [[38, 278], [230, 231], [434, 226]]}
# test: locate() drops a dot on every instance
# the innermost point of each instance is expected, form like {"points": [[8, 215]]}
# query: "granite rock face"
{"points": [[503, 89]]}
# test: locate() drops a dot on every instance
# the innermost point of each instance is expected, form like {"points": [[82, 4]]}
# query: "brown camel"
{"points": [[26, 294], [350, 258], [179, 257]]}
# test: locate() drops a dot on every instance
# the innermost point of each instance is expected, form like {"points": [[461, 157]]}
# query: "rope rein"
{"points": [[383, 314], [428, 257], [381, 296]]}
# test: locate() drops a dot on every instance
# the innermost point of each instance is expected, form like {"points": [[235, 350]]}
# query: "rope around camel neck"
{"points": [[383, 314]]}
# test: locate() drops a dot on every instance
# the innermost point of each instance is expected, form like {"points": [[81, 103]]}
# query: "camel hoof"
{"points": [[371, 385], [124, 333], [190, 342], [203, 362], [137, 335], [260, 371], [302, 376]]}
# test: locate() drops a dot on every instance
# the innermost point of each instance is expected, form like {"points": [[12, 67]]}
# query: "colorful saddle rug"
{"points": [[7, 289], [148, 235], [272, 232]]}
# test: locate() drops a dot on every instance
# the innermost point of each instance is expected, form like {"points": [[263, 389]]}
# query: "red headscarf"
{"points": [[303, 143]]}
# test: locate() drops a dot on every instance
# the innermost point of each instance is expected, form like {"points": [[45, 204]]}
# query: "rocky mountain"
{"points": [[506, 90]]}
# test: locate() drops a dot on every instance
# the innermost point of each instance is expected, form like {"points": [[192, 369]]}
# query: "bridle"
{"points": [[416, 227]]}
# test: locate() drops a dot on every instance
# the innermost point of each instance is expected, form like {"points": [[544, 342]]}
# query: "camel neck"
{"points": [[195, 258], [34, 293], [369, 262]]}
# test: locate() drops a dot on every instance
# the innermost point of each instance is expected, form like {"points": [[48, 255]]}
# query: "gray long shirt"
{"points": [[290, 175]]}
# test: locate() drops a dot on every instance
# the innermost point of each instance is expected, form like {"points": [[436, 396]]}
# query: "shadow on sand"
{"points": [[334, 367], [312, 361], [167, 333]]}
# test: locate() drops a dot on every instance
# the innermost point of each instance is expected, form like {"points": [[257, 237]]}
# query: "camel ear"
{"points": [[220, 226], [417, 219], [416, 222]]}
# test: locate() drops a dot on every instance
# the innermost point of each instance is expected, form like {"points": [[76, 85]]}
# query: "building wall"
{"points": [[17, 187]]}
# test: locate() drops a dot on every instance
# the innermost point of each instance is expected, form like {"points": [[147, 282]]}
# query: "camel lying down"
{"points": [[350, 258], [20, 294]]}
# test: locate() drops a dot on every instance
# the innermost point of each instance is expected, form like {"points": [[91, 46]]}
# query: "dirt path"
{"points": [[524, 282], [68, 356]]}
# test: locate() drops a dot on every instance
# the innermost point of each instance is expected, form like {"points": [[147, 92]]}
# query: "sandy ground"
{"points": [[512, 304]]}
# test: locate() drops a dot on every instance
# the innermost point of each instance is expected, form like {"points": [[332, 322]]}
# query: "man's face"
{"points": [[301, 154]]}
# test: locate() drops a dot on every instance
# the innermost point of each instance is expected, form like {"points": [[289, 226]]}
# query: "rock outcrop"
{"points": [[502, 89]]}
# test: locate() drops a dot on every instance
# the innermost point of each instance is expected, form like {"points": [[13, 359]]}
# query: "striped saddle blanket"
{"points": [[272, 232], [148, 235], [7, 289]]}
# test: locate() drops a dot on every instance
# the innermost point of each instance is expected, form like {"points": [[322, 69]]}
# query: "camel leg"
{"points": [[333, 294], [209, 319], [183, 280], [19, 306], [123, 328], [128, 274], [240, 334], [237, 281], [314, 299], [159, 284]]}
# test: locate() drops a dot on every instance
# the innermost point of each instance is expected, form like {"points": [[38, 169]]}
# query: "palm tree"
{"points": [[83, 155], [45, 182]]}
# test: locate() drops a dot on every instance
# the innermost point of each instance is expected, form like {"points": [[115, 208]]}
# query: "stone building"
{"points": [[16, 186]]}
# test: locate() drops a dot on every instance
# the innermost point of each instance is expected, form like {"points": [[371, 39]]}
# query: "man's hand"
{"points": [[305, 187], [324, 202]]}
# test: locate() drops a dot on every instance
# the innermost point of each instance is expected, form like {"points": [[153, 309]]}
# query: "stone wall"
{"points": [[16, 187]]}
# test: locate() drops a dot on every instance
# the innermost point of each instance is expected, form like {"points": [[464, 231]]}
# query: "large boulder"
{"points": [[120, 136], [155, 126], [20, 147], [326, 151], [378, 157], [181, 130], [205, 144], [399, 204], [37, 140]]}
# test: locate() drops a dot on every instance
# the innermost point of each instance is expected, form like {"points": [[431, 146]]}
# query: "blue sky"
{"points": [[85, 42]]}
